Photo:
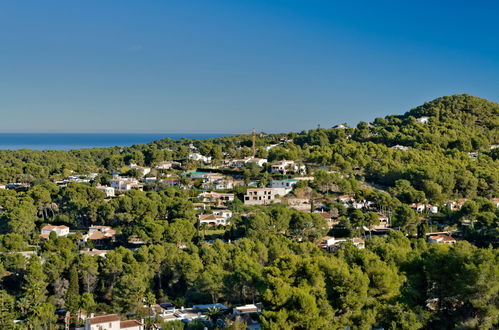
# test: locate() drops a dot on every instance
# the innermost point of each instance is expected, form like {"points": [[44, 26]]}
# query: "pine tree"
{"points": [[35, 285], [73, 293], [6, 310]]}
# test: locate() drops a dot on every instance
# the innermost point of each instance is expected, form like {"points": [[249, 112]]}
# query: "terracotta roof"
{"points": [[207, 217], [129, 324], [104, 319], [50, 227], [98, 235]]}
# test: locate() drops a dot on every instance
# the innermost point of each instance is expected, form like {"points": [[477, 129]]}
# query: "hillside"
{"points": [[391, 224]]}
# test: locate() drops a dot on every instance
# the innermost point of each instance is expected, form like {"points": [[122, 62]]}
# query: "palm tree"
{"points": [[214, 313]]}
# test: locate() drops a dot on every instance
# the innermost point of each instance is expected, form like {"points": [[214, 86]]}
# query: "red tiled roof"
{"points": [[129, 324], [104, 319]]}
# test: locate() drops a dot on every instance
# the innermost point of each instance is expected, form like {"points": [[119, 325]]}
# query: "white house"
{"points": [[200, 158], [260, 196], [286, 167], [286, 184], [423, 120], [112, 322], [446, 239], [59, 231], [99, 235], [399, 147], [109, 191], [246, 309], [420, 208], [346, 199], [143, 170], [104, 322], [247, 160], [124, 184], [329, 243], [218, 199], [167, 165], [217, 218]]}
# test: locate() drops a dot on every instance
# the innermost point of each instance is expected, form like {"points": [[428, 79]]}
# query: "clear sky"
{"points": [[231, 66]]}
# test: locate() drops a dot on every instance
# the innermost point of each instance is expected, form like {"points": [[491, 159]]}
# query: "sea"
{"points": [[70, 141]]}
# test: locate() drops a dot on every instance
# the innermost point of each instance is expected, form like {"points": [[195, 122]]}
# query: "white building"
{"points": [[124, 184], [218, 199], [112, 322], [200, 158], [329, 243], [446, 239], [109, 191], [399, 147], [260, 196], [423, 120], [104, 322], [286, 167], [167, 165], [143, 170], [247, 160], [217, 218], [59, 231], [286, 184]]}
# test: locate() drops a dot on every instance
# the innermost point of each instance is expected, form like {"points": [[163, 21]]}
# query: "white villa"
{"points": [[59, 231]]}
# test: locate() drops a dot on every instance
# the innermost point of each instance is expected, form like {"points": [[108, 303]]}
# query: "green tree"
{"points": [[6, 310], [73, 293]]}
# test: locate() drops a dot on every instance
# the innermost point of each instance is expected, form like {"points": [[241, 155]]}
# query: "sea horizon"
{"points": [[72, 141]]}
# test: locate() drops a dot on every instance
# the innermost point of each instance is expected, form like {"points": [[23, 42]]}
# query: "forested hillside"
{"points": [[434, 169]]}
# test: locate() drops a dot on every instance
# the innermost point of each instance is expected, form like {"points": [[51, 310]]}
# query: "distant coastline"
{"points": [[70, 141]]}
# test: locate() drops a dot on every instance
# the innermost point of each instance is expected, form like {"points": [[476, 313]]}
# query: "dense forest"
{"points": [[444, 151]]}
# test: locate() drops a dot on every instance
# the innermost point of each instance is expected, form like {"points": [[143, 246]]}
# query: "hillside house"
{"points": [[141, 169], [99, 235], [217, 218], [456, 205], [247, 160], [167, 165], [217, 199], [443, 238], [423, 120], [112, 322], [200, 158], [260, 196], [287, 167], [330, 243], [123, 184], [171, 182], [59, 231], [421, 208], [108, 191], [286, 184]]}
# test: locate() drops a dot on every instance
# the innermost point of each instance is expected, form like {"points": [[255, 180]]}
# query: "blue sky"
{"points": [[231, 66]]}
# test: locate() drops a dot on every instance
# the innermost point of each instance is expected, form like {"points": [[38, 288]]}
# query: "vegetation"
{"points": [[269, 254]]}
